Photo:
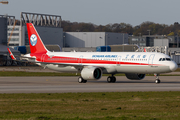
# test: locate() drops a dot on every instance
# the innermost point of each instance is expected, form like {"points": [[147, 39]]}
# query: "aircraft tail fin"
{"points": [[11, 54], [35, 42], [144, 49]]}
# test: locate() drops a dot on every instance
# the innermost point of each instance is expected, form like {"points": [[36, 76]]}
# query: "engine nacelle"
{"points": [[132, 76], [91, 73]]}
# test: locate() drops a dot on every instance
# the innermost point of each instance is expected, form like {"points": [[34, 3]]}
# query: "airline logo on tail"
{"points": [[35, 42], [33, 39]]}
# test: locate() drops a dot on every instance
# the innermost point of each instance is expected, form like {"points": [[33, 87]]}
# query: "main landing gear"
{"points": [[81, 80], [111, 79], [157, 79]]}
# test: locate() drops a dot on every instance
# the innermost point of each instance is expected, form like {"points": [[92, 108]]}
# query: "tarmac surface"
{"points": [[70, 84]]}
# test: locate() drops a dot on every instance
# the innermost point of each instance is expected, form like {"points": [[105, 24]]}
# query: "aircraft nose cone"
{"points": [[173, 67]]}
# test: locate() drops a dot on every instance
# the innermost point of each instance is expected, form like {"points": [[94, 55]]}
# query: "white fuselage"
{"points": [[111, 62]]}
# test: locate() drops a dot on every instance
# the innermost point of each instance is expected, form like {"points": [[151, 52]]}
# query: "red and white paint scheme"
{"points": [[92, 65], [11, 55]]}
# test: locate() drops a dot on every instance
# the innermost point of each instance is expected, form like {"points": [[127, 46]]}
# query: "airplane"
{"points": [[91, 65]]}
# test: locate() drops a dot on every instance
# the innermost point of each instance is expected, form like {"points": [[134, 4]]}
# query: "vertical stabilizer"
{"points": [[144, 49], [35, 42]]}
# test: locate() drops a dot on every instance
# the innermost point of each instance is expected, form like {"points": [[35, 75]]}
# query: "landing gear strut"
{"points": [[81, 80], [111, 79], [157, 79]]}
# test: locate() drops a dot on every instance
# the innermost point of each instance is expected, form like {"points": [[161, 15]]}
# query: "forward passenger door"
{"points": [[151, 58]]}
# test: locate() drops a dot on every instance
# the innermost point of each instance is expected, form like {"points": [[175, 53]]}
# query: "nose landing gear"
{"points": [[157, 78]]}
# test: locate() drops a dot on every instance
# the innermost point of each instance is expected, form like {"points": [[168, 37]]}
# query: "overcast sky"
{"points": [[100, 12]]}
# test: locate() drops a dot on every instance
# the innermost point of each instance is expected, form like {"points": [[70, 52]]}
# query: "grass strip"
{"points": [[19, 73], [85, 106]]}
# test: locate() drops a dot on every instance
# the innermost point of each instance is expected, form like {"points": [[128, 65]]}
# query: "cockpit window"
{"points": [[165, 59], [168, 59]]}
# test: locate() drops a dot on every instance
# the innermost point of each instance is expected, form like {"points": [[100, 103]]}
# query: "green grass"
{"points": [[98, 106], [19, 73]]}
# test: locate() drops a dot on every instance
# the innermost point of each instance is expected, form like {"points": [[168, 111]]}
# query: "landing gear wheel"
{"points": [[157, 81], [81, 80], [111, 79], [157, 78]]}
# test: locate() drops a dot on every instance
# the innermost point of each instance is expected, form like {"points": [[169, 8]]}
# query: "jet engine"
{"points": [[91, 73], [133, 76]]}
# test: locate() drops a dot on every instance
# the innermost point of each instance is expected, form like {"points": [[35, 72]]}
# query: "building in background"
{"points": [[155, 40], [4, 54], [161, 42], [48, 27], [3, 29], [94, 39], [14, 34]]}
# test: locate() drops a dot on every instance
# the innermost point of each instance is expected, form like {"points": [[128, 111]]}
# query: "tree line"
{"points": [[143, 29]]}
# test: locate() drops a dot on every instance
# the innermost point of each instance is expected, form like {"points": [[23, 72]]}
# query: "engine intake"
{"points": [[91, 73], [133, 76]]}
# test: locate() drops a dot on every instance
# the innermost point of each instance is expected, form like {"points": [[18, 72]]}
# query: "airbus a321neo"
{"points": [[91, 65]]}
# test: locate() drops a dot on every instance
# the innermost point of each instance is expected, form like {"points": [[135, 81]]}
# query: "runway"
{"points": [[70, 84]]}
